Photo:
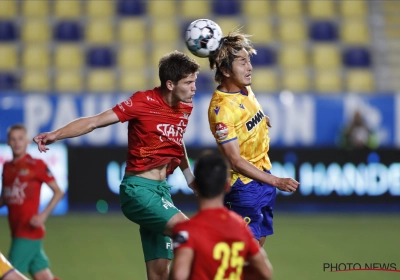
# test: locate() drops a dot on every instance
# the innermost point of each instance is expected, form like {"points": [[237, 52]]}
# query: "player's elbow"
{"points": [[61, 193], [58, 192], [235, 163]]}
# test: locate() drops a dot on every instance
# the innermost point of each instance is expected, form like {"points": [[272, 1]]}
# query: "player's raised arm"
{"points": [[239, 164], [76, 128]]}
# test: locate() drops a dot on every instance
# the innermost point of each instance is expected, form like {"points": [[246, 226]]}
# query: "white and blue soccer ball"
{"points": [[203, 37]]}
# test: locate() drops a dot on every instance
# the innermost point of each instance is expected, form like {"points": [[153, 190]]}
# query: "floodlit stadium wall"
{"points": [[329, 179], [303, 146]]}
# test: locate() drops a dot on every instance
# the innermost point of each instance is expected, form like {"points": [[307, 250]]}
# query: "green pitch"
{"points": [[107, 246]]}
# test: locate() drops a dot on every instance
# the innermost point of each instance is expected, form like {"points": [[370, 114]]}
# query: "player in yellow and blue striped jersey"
{"points": [[240, 128]]}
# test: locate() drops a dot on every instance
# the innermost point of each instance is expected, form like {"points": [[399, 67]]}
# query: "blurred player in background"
{"points": [[240, 128], [157, 120], [8, 272], [215, 243], [22, 180]]}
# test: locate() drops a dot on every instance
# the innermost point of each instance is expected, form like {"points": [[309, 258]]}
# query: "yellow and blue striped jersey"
{"points": [[236, 115]]}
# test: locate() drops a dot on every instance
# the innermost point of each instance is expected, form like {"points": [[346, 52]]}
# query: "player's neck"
{"points": [[169, 98], [210, 203], [16, 158], [231, 87]]}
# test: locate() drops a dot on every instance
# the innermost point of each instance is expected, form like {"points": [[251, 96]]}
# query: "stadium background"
{"points": [[319, 61]]}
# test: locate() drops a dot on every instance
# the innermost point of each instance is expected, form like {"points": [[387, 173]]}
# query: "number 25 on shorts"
{"points": [[230, 258]]}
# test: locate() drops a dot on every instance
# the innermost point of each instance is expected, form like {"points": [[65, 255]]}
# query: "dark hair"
{"points": [[231, 44], [211, 172], [15, 127], [175, 66]]}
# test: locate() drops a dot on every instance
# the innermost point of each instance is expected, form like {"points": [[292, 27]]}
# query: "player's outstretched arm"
{"points": [[182, 263], [232, 153], [259, 267], [75, 128]]}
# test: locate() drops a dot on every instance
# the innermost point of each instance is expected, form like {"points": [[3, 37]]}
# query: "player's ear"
{"points": [[225, 72], [170, 85]]}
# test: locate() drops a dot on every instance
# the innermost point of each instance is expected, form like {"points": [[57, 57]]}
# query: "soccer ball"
{"points": [[203, 37]]}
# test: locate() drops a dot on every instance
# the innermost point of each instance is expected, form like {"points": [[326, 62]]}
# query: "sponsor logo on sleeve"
{"points": [[221, 131], [128, 102], [121, 107]]}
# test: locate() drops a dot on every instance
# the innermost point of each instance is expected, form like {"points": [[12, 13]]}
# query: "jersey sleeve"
{"points": [[127, 110], [182, 237], [43, 172], [222, 124]]}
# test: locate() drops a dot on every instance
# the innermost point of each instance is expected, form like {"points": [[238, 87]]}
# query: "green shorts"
{"points": [[27, 255], [148, 203]]}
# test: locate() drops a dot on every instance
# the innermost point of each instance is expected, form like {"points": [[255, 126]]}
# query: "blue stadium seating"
{"points": [[8, 31], [68, 31], [130, 7], [323, 31], [356, 57], [297, 41], [226, 7], [265, 56], [7, 81], [204, 83], [100, 57]]}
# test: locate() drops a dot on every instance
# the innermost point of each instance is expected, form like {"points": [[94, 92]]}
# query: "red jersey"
{"points": [[22, 182], [155, 130], [221, 242]]}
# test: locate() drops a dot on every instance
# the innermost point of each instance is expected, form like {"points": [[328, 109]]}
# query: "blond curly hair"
{"points": [[229, 47]]}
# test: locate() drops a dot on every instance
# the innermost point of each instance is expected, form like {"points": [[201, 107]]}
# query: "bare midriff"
{"points": [[158, 173]]}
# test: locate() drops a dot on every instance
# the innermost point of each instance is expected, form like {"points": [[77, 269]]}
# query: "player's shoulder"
{"points": [[183, 228], [236, 218], [7, 163], [193, 223], [150, 95], [34, 161]]}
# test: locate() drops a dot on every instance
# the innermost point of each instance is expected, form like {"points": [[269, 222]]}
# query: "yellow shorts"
{"points": [[5, 266]]}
